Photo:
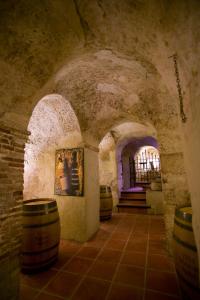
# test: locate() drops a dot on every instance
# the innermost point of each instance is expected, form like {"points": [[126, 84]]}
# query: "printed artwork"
{"points": [[69, 172]]}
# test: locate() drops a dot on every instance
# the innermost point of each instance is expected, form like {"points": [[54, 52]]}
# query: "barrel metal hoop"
{"points": [[42, 213], [46, 262], [44, 206], [183, 215], [41, 225], [42, 251], [186, 245], [183, 225]]}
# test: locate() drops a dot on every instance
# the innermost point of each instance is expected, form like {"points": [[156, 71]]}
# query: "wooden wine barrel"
{"points": [[41, 234], [106, 202], [185, 254]]}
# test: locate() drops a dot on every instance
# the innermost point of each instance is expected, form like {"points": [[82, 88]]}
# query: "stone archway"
{"points": [[54, 125]]}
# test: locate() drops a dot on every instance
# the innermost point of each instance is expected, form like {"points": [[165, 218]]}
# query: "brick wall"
{"points": [[12, 142]]}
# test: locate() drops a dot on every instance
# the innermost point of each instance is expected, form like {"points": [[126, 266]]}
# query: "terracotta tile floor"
{"points": [[125, 260]]}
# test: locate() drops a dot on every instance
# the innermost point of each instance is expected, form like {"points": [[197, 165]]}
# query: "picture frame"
{"points": [[69, 172]]}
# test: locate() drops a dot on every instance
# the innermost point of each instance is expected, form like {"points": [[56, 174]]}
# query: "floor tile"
{"points": [[92, 289], [120, 235], [96, 242], [110, 255], [125, 226], [88, 252], [162, 281], [45, 296], [69, 247], [152, 295], [156, 237], [157, 247], [63, 258], [134, 258], [103, 270], [123, 292], [78, 265], [64, 284], [115, 244], [101, 234], [109, 228], [27, 293], [137, 245], [130, 275], [138, 235], [38, 280], [160, 262]]}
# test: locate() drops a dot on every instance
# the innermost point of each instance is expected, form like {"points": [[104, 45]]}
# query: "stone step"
{"points": [[135, 204], [136, 195], [130, 200]]}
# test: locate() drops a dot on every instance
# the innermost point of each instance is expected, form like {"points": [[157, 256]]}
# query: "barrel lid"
{"points": [[38, 204], [184, 213]]}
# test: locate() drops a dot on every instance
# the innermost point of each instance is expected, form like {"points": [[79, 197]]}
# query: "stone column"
{"points": [[175, 189], [12, 144], [79, 216], [108, 173], [91, 190]]}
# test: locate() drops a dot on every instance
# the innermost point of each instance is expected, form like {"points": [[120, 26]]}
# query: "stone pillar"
{"points": [[114, 181], [175, 189], [108, 173], [79, 216], [91, 190], [126, 171], [12, 144]]}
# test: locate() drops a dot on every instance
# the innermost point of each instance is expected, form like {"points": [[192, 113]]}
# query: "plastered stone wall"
{"points": [[12, 144]]}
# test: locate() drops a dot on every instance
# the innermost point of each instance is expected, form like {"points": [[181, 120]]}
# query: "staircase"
{"points": [[133, 201]]}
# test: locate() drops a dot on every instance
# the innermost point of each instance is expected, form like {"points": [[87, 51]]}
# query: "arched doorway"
{"points": [[140, 162], [53, 125], [53, 128]]}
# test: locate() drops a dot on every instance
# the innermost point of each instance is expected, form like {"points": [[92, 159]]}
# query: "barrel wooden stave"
{"points": [[185, 254], [41, 234], [106, 203]]}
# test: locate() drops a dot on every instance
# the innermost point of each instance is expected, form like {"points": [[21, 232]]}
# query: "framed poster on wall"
{"points": [[69, 167]]}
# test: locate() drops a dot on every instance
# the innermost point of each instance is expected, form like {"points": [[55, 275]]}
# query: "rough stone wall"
{"points": [[12, 143]]}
